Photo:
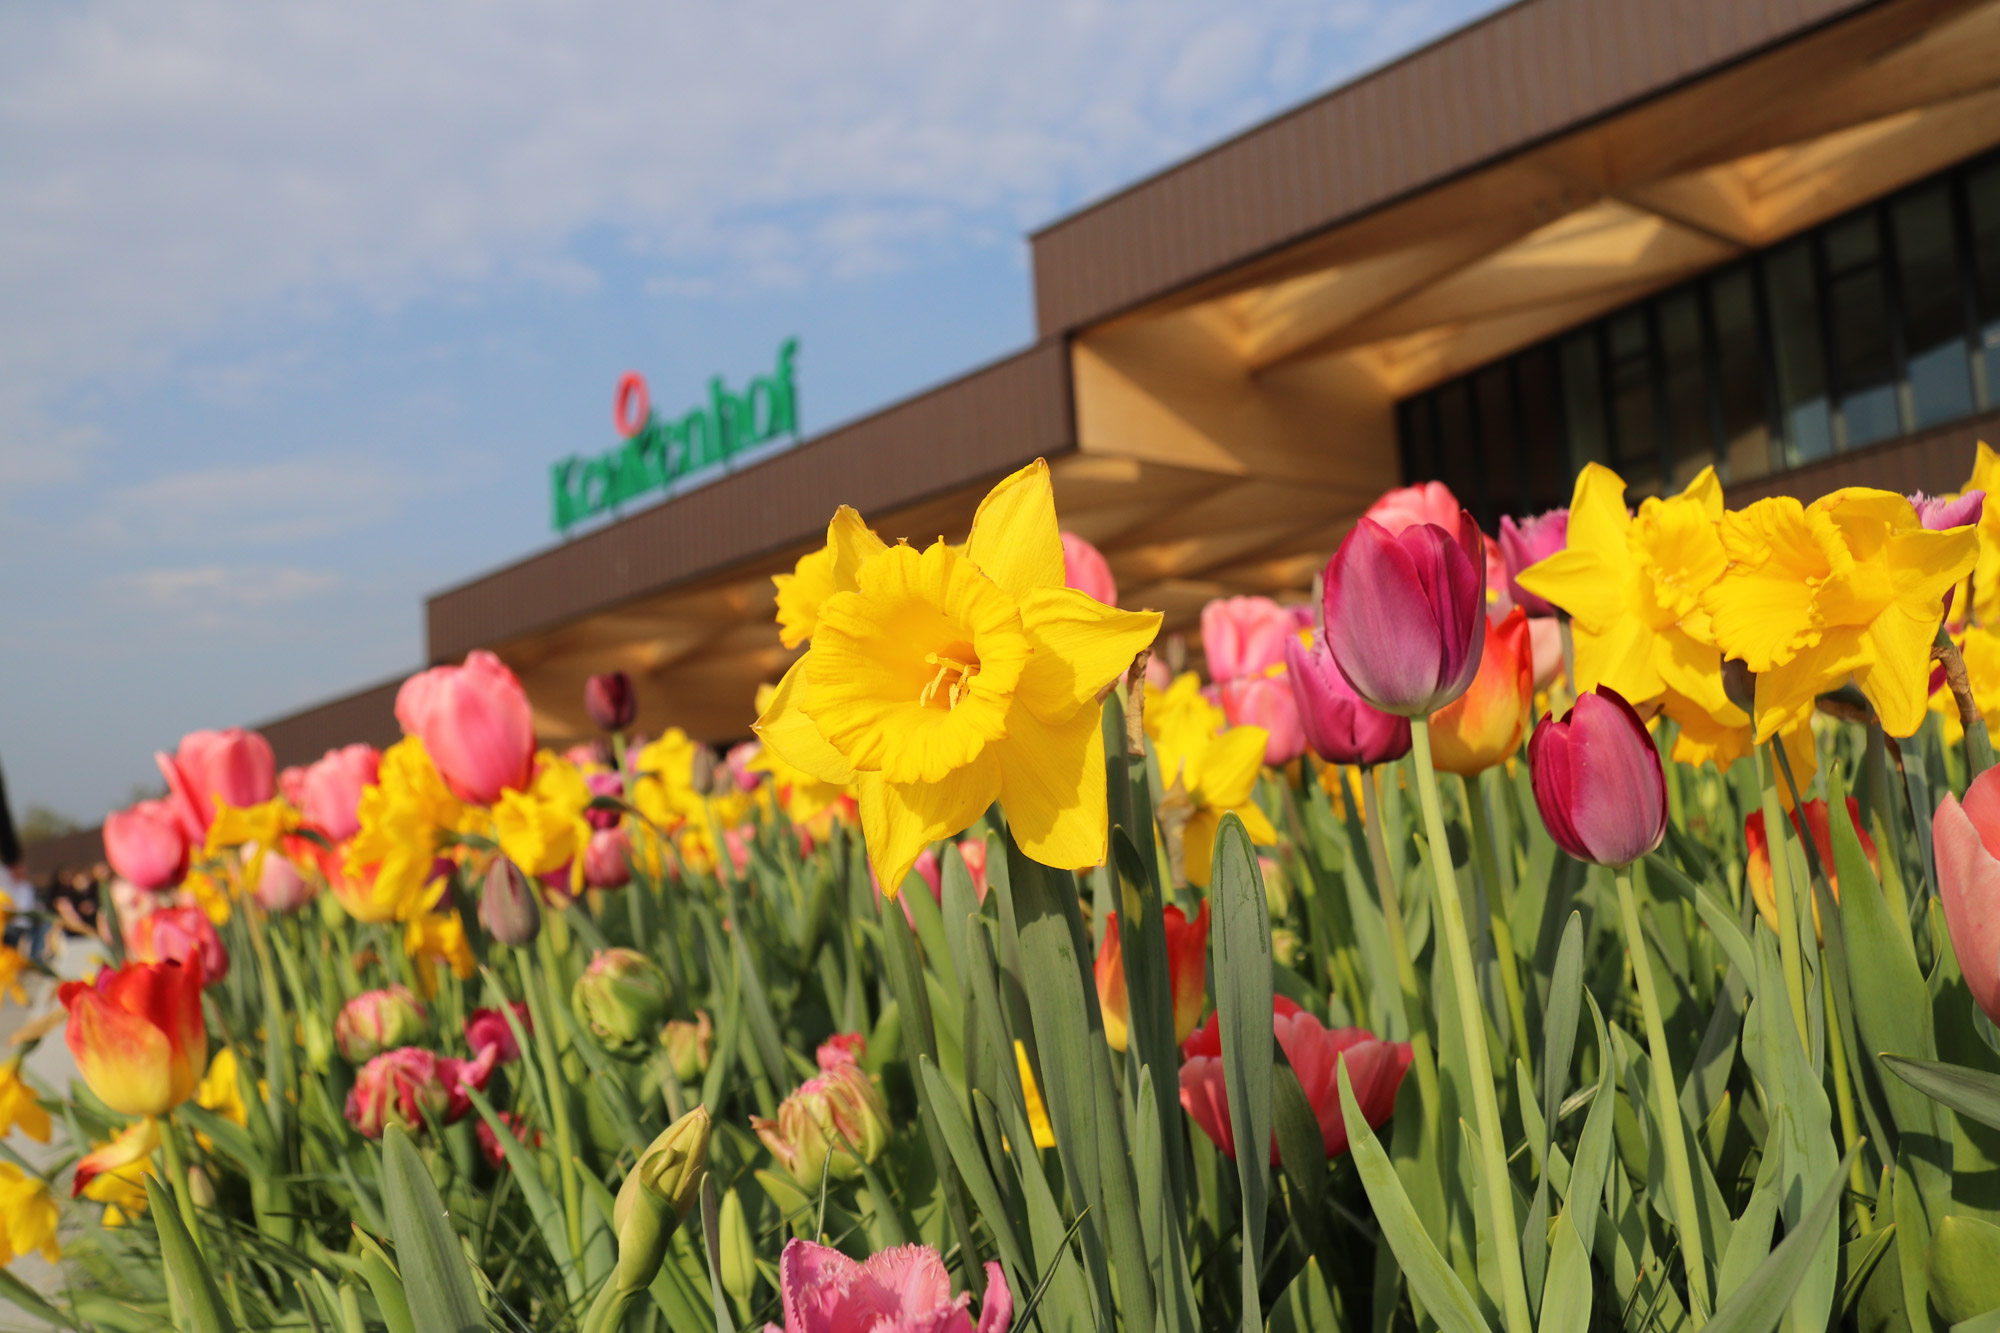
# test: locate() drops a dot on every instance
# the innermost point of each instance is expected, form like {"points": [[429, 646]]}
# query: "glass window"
{"points": [[1684, 386], [1982, 191], [1550, 478], [1794, 313], [1458, 444], [1413, 425], [1939, 373], [1857, 300], [1740, 372], [1635, 438], [1583, 400]]}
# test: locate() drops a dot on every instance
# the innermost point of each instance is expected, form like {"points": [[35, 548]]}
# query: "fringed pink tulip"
{"points": [[1522, 544], [1406, 613], [475, 722], [1244, 636], [182, 935], [410, 1086], [1967, 838], [147, 845], [904, 1290], [1374, 1067], [330, 789], [233, 766], [1337, 723], [1598, 781], [1085, 569], [1267, 702], [375, 1021], [1939, 515], [489, 1027]]}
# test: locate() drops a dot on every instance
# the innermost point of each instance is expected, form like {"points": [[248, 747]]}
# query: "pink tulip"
{"points": [[331, 791], [842, 1048], [737, 761], [1967, 838], [280, 886], [604, 784], [1938, 515], [181, 935], [410, 1086], [904, 1290], [233, 766], [1267, 702], [1545, 649], [1405, 613], [610, 700], [1528, 542], [1244, 636], [1598, 781], [932, 870], [1336, 723], [606, 859], [1374, 1067], [147, 845], [974, 852], [292, 785], [475, 722], [1086, 570], [375, 1021], [489, 1027], [1433, 502]]}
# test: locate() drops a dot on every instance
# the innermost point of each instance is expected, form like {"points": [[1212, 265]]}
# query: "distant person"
{"points": [[27, 928]]}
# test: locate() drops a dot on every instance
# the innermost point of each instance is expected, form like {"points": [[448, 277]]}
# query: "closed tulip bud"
{"points": [[603, 784], [1598, 781], [622, 998], [280, 886], [1483, 726], [701, 773], [329, 791], [147, 845], [376, 1021], [659, 1192], [1406, 613], [1739, 684], [690, 1046], [1757, 873], [507, 905], [1286, 947], [1967, 838], [1340, 727], [318, 1041], [611, 701], [489, 1027], [825, 1123], [1187, 973], [200, 1188], [606, 859]]}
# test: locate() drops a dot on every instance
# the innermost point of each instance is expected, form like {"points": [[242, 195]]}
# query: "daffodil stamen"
{"points": [[946, 666]]}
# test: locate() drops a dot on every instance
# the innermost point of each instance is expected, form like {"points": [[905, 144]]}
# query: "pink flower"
{"points": [[1433, 502], [933, 872], [375, 1021], [604, 784], [1339, 726], [610, 700], [182, 935], [1374, 1067], [280, 886], [410, 1085], [1598, 782], [737, 761], [904, 1290], [974, 852], [1267, 702], [146, 845], [1967, 838], [475, 722], [605, 859], [489, 1142], [1406, 613], [1529, 542], [1545, 648], [1085, 569], [233, 766], [842, 1048], [488, 1027], [330, 790], [292, 785], [1244, 636], [1938, 515]]}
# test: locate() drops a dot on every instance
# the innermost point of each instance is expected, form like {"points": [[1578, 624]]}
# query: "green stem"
{"points": [[1399, 944], [177, 1177], [1450, 914], [545, 1049], [1776, 834], [1680, 1177], [1496, 913]]}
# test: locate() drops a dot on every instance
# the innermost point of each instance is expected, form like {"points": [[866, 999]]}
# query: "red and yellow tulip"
{"points": [[138, 1036], [1187, 970], [1483, 726]]}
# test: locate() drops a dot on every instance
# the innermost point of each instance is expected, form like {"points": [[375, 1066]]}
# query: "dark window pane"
{"points": [[1684, 380], [1414, 435], [1933, 312], [1635, 439], [1739, 363], [1795, 341], [1550, 478], [1858, 319], [1982, 189], [1498, 445], [1583, 400], [1458, 450]]}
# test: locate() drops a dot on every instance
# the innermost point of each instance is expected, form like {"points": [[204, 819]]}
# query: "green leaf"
{"points": [[188, 1279], [1913, 1242], [440, 1287], [1760, 1303], [1964, 1268], [1750, 1238], [1970, 1092], [542, 1206], [386, 1285], [1719, 916], [964, 1148], [1241, 974], [711, 1230], [1566, 1290]]}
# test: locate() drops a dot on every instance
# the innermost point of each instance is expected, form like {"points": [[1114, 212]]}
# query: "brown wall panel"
{"points": [[1937, 462], [368, 716]]}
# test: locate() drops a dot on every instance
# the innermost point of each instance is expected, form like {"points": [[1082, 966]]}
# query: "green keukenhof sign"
{"points": [[659, 453]]}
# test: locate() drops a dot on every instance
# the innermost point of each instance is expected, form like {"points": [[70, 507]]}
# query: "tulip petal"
{"points": [[1380, 624], [135, 1143], [1081, 646], [126, 1060], [996, 1312], [913, 1276], [899, 819], [1113, 1000], [1969, 882], [794, 737], [1053, 787], [1619, 805], [1015, 538], [1554, 780]]}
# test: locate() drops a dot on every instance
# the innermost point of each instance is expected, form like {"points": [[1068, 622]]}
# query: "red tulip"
{"points": [[1187, 974], [179, 935], [1374, 1067], [475, 722], [1244, 636], [1267, 702], [1483, 726], [1529, 542], [489, 1142], [1967, 839], [1085, 569], [489, 1027], [138, 1036], [409, 1086], [146, 845], [1598, 781], [610, 701], [1339, 726], [974, 852], [330, 790], [1406, 613], [233, 766]]}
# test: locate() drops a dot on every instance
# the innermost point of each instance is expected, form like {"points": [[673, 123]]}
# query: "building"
{"points": [[1763, 234]]}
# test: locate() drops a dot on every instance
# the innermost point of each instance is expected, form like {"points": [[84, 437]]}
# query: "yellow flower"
{"points": [[1038, 1115], [1181, 705], [114, 1173], [805, 797], [438, 937], [256, 826], [831, 569], [220, 1091], [1986, 572], [388, 863], [12, 964], [664, 791], [1218, 773], [19, 1106], [945, 681], [28, 1216], [543, 828], [1851, 586], [209, 896]]}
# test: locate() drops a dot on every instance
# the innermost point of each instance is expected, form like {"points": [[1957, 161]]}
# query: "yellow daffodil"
{"points": [[438, 937], [387, 868], [816, 577], [211, 897], [1181, 705], [12, 964], [1216, 773], [254, 830], [543, 828], [114, 1173], [28, 1216], [220, 1090], [1850, 586], [946, 680], [805, 797], [1986, 571], [19, 1107], [1038, 1115], [664, 791]]}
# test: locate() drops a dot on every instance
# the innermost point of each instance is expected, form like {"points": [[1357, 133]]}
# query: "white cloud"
{"points": [[216, 590], [294, 499]]}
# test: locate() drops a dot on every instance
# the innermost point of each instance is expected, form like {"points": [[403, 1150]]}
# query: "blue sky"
{"points": [[298, 302]]}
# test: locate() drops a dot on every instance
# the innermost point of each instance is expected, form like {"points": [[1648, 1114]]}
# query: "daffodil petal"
{"points": [[1226, 771], [1621, 657], [1897, 680], [791, 735], [851, 543], [799, 595], [1787, 694], [1014, 538], [1256, 823], [900, 819], [1198, 846], [1081, 646], [1577, 580], [1706, 490], [1763, 610], [1053, 788]]}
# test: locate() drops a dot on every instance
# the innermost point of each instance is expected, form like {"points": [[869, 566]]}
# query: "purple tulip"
{"points": [[1529, 542], [1938, 514], [1598, 782], [1406, 613], [610, 700], [1339, 727]]}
